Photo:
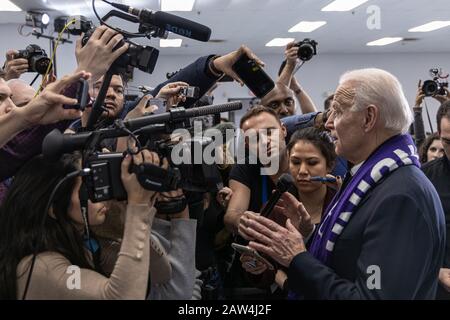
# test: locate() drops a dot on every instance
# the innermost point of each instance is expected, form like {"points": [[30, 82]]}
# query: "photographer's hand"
{"points": [[167, 197], [442, 98], [47, 107], [170, 93], [141, 109], [224, 63], [136, 193], [14, 68], [419, 96], [291, 54], [99, 53]]}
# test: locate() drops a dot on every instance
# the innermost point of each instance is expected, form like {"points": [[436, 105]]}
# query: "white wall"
{"points": [[319, 76]]}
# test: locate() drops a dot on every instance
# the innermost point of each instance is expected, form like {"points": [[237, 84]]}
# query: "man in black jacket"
{"points": [[438, 171], [383, 235]]}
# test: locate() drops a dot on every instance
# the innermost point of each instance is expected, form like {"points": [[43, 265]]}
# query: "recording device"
{"points": [[142, 57], [283, 184], [306, 49], [82, 96], [38, 60], [252, 252], [190, 92], [161, 104], [105, 183], [322, 179], [254, 77], [168, 22], [104, 180], [437, 85]]}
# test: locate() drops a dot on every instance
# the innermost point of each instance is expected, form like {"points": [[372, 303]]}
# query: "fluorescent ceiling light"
{"points": [[164, 43], [177, 5], [307, 26], [384, 41], [6, 5], [343, 5], [279, 42], [430, 26]]}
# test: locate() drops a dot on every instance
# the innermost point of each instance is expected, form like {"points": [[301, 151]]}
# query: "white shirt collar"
{"points": [[355, 168]]}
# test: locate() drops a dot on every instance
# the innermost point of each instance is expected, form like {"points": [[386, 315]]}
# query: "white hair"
{"points": [[382, 89]]}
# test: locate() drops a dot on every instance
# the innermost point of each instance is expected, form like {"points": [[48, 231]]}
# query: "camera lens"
{"points": [[305, 52], [39, 64], [429, 88]]}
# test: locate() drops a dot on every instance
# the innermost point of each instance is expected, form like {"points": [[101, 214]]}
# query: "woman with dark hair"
{"points": [[47, 254], [311, 154], [431, 149]]}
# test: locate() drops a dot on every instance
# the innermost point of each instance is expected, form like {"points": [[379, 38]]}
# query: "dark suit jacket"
{"points": [[399, 228], [438, 171]]}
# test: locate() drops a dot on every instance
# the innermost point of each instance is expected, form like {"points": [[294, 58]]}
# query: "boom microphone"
{"points": [[57, 143], [168, 22]]}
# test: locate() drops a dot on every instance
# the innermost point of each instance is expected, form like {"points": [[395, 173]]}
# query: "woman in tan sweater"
{"points": [[64, 268]]}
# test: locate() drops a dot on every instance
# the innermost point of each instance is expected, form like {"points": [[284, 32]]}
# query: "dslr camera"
{"points": [[104, 181], [142, 57], [38, 60], [437, 85], [306, 49]]}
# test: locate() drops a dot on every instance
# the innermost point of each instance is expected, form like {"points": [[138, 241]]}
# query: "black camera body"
{"points": [[306, 49], [142, 57], [437, 85], [38, 60], [105, 183]]}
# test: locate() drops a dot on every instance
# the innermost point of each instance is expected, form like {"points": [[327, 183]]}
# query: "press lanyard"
{"points": [[265, 193]]}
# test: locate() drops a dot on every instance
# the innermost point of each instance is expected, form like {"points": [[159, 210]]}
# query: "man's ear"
{"points": [[284, 130], [371, 116]]}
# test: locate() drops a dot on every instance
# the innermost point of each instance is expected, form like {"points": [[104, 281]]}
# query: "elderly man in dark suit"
{"points": [[384, 233]]}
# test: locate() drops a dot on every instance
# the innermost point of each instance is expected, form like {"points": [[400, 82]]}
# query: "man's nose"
{"points": [[330, 121], [111, 93]]}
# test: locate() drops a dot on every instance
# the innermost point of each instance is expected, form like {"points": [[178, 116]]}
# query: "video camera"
{"points": [[307, 48], [38, 60], [142, 57], [104, 178], [437, 85]]}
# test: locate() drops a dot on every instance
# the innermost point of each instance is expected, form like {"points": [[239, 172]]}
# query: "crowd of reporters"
{"points": [[129, 250]]}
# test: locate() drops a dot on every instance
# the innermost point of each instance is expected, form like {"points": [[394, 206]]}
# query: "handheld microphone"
{"points": [[283, 184], [168, 22]]}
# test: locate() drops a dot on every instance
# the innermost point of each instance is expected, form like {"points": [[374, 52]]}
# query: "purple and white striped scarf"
{"points": [[396, 152]]}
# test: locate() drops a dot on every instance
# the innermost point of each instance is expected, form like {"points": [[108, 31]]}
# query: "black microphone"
{"points": [[285, 181], [169, 22], [173, 114]]}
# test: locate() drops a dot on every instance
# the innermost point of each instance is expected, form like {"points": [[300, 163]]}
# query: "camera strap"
{"points": [[170, 207], [155, 178]]}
